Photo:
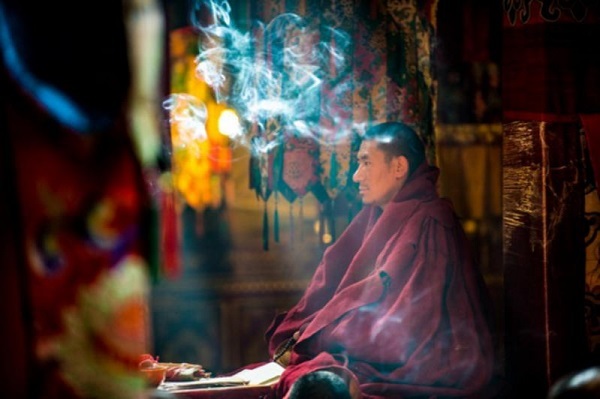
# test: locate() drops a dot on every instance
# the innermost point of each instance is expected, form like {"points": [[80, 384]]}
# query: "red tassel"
{"points": [[169, 239]]}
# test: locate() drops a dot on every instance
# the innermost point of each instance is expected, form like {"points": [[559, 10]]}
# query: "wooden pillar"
{"points": [[548, 65], [543, 253]]}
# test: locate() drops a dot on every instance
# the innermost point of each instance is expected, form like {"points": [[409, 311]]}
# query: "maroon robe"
{"points": [[397, 301]]}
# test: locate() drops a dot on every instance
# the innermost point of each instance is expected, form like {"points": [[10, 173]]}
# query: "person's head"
{"points": [[584, 384], [389, 153], [320, 384]]}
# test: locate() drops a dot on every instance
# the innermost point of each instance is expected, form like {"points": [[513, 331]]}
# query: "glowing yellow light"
{"points": [[317, 227], [470, 226], [229, 123]]}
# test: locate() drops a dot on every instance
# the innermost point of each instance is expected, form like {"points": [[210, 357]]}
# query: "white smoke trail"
{"points": [[189, 114], [276, 71]]}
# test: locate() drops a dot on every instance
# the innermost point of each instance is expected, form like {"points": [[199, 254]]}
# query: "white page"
{"points": [[264, 374]]}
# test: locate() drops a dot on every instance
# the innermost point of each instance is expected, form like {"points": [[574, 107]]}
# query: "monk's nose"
{"points": [[357, 175]]}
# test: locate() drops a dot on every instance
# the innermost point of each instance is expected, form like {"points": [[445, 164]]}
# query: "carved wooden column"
{"points": [[548, 67]]}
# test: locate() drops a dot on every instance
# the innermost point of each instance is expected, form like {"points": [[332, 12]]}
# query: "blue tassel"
{"points": [[276, 226], [333, 172]]}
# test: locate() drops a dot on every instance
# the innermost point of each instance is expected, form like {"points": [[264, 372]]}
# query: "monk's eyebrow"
{"points": [[362, 157]]}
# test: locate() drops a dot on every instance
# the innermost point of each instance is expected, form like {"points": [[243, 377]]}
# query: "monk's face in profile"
{"points": [[379, 176]]}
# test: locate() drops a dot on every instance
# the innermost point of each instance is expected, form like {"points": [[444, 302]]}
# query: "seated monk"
{"points": [[320, 384], [396, 307]]}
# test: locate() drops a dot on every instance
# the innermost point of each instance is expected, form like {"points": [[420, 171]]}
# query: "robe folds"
{"points": [[396, 303]]}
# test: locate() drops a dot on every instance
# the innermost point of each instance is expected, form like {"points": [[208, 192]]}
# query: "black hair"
{"points": [[320, 384], [584, 384], [398, 139]]}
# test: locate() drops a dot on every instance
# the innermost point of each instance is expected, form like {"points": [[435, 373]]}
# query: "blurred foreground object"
{"points": [[75, 241], [583, 384]]}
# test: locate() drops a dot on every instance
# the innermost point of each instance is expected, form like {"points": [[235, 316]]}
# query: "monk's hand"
{"points": [[284, 350]]}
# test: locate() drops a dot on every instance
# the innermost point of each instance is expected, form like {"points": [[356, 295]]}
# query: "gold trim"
{"points": [[463, 134]]}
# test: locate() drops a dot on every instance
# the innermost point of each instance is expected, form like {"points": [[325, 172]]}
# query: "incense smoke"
{"points": [[273, 76]]}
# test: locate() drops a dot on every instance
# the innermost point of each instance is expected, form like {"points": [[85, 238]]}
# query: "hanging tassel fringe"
{"points": [[276, 220], [322, 225], [170, 236], [333, 172], [265, 235], [154, 242], [301, 215], [332, 220], [291, 224]]}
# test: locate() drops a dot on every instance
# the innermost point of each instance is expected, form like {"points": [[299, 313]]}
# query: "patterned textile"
{"points": [[386, 74], [82, 202], [591, 127]]}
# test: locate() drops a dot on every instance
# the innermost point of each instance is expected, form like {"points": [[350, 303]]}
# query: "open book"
{"points": [[263, 375]]}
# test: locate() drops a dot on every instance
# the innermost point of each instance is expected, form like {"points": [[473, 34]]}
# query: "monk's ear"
{"points": [[401, 167]]}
